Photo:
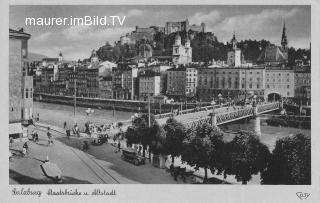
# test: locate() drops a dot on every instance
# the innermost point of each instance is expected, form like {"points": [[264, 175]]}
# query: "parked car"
{"points": [[130, 155]]}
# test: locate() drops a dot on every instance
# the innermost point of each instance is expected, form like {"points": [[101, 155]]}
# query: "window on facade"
{"points": [[250, 85], [288, 86], [31, 93], [27, 92], [288, 93], [250, 73], [268, 86]]}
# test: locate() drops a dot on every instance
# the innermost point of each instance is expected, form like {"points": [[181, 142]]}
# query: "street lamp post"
{"points": [[213, 117], [220, 96]]}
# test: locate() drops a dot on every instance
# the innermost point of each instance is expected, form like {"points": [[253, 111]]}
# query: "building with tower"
{"points": [[171, 27], [235, 57], [60, 57], [181, 54], [284, 40], [20, 82], [275, 55], [94, 56]]}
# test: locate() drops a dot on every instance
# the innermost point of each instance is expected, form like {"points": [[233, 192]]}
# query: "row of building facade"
{"points": [[129, 82]]}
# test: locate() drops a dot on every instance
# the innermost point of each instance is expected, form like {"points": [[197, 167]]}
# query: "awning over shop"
{"points": [[15, 128]]}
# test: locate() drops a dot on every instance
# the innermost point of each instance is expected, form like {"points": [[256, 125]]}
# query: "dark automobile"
{"points": [[131, 156]]}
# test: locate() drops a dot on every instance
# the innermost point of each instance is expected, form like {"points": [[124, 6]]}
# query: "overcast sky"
{"points": [[249, 22]]}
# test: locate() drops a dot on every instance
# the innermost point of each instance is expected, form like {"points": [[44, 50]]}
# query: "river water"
{"points": [[57, 114], [268, 134]]}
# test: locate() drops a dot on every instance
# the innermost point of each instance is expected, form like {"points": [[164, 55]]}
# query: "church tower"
{"points": [[60, 56], [94, 56], [234, 41], [284, 41]]}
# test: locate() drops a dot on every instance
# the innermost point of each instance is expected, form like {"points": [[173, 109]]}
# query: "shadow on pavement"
{"points": [[22, 179]]}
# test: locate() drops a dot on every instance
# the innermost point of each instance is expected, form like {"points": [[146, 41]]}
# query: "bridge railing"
{"points": [[234, 115], [199, 121], [187, 111], [268, 107]]}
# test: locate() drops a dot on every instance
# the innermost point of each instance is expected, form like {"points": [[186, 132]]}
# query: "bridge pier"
{"points": [[257, 126], [213, 119]]}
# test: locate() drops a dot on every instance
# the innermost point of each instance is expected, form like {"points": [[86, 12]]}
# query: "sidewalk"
{"points": [[26, 170]]}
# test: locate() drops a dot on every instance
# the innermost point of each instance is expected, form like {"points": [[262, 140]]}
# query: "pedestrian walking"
{"points": [[25, 148], [10, 141], [36, 137], [68, 133], [32, 135], [139, 151], [49, 137], [65, 124], [119, 145]]}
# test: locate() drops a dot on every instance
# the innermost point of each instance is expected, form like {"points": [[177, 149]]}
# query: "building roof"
{"points": [[50, 59], [19, 33], [180, 68], [302, 69], [273, 54]]}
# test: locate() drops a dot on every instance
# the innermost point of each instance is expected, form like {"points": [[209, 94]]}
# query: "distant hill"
{"points": [[35, 57]]}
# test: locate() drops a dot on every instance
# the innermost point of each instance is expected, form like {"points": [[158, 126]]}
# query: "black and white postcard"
{"points": [[123, 101]]}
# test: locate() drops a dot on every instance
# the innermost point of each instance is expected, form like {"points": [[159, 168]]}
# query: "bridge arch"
{"points": [[273, 96]]}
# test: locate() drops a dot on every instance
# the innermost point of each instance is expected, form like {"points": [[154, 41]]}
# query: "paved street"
{"points": [[100, 165]]}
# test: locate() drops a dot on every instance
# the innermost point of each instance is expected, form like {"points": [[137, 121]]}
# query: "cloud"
{"points": [[90, 32], [75, 32], [52, 51], [209, 18], [266, 24], [256, 22], [134, 12], [43, 36]]}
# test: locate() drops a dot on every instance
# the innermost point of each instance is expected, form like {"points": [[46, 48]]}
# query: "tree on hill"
{"points": [[290, 162], [246, 156]]}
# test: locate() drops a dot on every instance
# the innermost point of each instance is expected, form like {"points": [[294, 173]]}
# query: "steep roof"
{"points": [[273, 54]]}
